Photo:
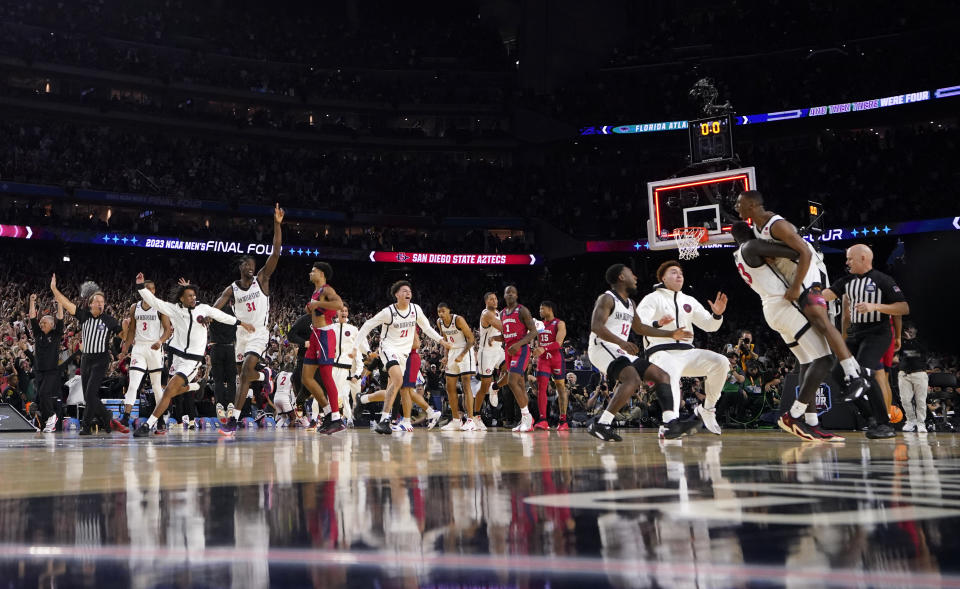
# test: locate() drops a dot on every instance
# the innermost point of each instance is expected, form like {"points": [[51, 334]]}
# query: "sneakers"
{"points": [[855, 387], [526, 424], [402, 426], [117, 426], [603, 431], [143, 431], [85, 431], [230, 427], [432, 418], [454, 425], [221, 414], [921, 428], [50, 426], [542, 424], [469, 425], [187, 424], [480, 426], [678, 428], [797, 427], [709, 418], [563, 427], [125, 420], [880, 431], [267, 381], [825, 435], [383, 427], [311, 425], [332, 427]]}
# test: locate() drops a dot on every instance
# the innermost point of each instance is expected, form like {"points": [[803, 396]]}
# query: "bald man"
{"points": [[807, 278], [872, 297]]}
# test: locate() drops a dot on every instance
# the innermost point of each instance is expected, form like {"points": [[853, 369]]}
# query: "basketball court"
{"points": [[495, 509]]}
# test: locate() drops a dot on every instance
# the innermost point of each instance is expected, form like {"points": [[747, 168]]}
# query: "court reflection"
{"points": [[694, 513]]}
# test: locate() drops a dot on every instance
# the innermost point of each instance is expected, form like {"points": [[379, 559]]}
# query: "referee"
{"points": [[96, 330], [873, 297]]}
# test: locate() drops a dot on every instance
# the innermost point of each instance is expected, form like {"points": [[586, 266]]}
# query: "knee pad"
{"points": [[614, 370], [664, 394]]}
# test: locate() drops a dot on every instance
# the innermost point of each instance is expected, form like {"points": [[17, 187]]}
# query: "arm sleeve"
{"points": [[219, 315], [149, 298], [702, 318], [647, 309], [425, 326], [379, 319], [888, 287]]}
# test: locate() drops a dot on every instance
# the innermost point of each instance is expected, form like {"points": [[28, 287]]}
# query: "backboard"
{"points": [[705, 200]]}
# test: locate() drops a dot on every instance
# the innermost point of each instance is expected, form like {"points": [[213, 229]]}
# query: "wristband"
{"points": [[656, 324], [715, 316], [237, 324]]}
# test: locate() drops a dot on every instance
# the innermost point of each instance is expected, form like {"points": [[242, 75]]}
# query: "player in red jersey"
{"points": [[519, 330], [324, 307], [549, 357]]}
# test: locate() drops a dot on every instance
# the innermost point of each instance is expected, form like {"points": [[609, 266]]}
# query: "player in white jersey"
{"points": [[284, 399], [147, 329], [753, 261], [461, 365], [491, 355], [615, 356], [669, 306], [346, 363], [250, 297], [768, 226], [398, 324]]}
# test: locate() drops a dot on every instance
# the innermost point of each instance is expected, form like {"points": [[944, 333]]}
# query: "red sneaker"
{"points": [[563, 427], [542, 424], [797, 427], [119, 427], [827, 436]]}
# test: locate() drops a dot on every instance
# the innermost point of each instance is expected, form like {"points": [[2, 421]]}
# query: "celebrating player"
{"points": [[398, 324], [461, 365], [188, 344], [147, 329], [251, 303], [784, 317], [615, 356]]}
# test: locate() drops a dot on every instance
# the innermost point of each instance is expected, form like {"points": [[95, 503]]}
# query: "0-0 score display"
{"points": [[710, 139]]}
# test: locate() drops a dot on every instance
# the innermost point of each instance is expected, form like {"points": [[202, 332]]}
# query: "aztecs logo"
{"points": [[402, 257], [346, 333], [687, 308]]}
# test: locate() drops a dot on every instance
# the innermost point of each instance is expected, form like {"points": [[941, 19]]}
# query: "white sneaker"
{"points": [[402, 426], [481, 427], [453, 425], [468, 426], [709, 418], [432, 418], [50, 426], [909, 426], [526, 424], [221, 414], [494, 399], [921, 428]]}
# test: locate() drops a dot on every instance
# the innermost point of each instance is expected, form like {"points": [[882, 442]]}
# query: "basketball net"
{"points": [[688, 241]]}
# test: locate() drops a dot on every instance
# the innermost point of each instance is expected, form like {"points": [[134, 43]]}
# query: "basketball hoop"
{"points": [[688, 241]]}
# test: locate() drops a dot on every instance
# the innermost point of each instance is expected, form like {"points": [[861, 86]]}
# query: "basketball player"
{"points": [[461, 365], [188, 343], [549, 355], [146, 329], [490, 352], [346, 364], [324, 307], [250, 297], [398, 324], [810, 348], [411, 379], [807, 286], [615, 356], [519, 329], [284, 399], [667, 305]]}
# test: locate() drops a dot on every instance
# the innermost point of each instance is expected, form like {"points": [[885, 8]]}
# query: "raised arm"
{"points": [[151, 299], [33, 306], [64, 301], [221, 317], [263, 276], [369, 325], [713, 320]]}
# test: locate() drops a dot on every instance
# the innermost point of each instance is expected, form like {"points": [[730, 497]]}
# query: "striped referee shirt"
{"points": [[96, 332], [872, 287]]}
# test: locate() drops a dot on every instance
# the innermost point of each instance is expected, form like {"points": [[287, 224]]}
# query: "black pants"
{"points": [[48, 384], [223, 371], [868, 345], [92, 369]]}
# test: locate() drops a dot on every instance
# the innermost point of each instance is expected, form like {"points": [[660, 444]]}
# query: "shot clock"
{"points": [[710, 139]]}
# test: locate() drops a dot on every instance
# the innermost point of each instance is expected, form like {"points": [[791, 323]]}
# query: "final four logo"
{"points": [[824, 400]]}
